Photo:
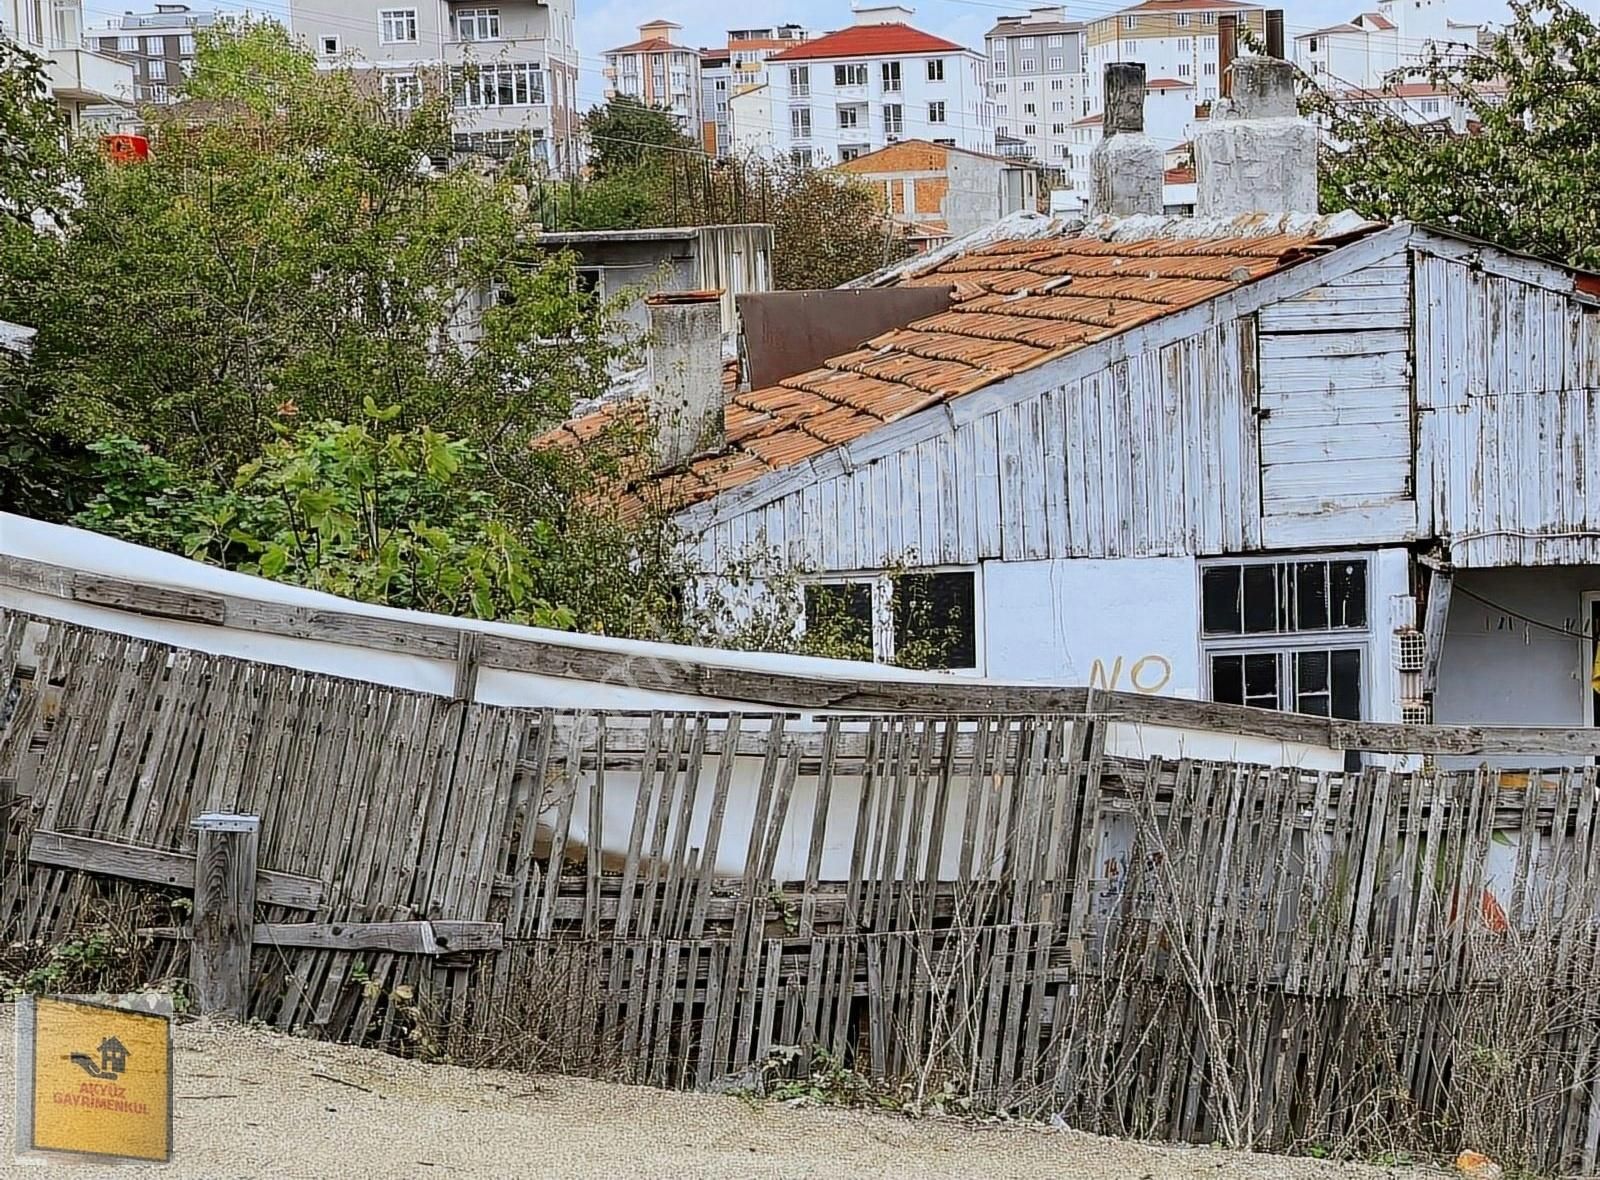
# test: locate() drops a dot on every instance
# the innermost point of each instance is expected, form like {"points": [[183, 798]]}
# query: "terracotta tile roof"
{"points": [[650, 45], [1180, 175], [1378, 21], [869, 41], [1168, 84], [1184, 6], [1019, 302]]}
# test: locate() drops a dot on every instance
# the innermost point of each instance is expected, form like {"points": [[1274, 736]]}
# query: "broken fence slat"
{"points": [[159, 866]]}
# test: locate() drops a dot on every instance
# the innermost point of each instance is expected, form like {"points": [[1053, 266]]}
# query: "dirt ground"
{"points": [[252, 1103]]}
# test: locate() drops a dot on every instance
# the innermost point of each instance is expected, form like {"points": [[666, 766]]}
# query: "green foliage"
{"points": [[288, 245], [387, 517], [1528, 180], [32, 131], [625, 135]]}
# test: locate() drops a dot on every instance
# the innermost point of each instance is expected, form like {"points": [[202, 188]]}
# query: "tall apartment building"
{"points": [[160, 45], [1176, 42], [1036, 66], [878, 82], [90, 87], [511, 66], [1361, 53], [734, 69], [658, 72]]}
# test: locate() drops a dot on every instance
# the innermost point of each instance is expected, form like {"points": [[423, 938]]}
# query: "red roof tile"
{"points": [[868, 41], [651, 45], [1018, 304], [1168, 84]]}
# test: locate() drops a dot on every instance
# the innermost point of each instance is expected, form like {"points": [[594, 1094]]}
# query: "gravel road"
{"points": [[252, 1103]]}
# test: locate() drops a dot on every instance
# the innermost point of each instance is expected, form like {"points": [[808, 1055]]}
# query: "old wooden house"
{"points": [[1262, 455]]}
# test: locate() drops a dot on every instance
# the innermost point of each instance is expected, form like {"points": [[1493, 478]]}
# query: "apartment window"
{"points": [[893, 119], [800, 122], [999, 51], [999, 69], [186, 45], [1208, 18], [1029, 65], [1058, 129], [936, 69], [402, 90], [396, 25], [801, 157], [1029, 108], [1027, 43], [849, 117], [1208, 68], [155, 46], [853, 74], [800, 81], [1057, 84], [1027, 88], [1287, 634], [1312, 45], [999, 87], [851, 151], [1030, 129], [156, 92], [476, 24], [1184, 69], [1430, 106], [1057, 63], [891, 76], [1185, 45], [1130, 51], [1208, 43], [936, 112], [503, 84], [917, 620], [127, 45], [1054, 41], [1130, 22], [1058, 107], [1183, 20], [157, 69]]}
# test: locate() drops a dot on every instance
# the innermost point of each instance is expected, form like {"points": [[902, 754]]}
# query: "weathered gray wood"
{"points": [[224, 913], [158, 866], [1434, 619], [406, 938]]}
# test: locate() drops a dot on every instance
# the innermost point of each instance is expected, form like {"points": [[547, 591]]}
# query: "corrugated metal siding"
{"points": [[1336, 410], [1508, 388], [1155, 455]]}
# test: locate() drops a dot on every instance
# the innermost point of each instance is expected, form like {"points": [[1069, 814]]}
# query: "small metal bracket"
{"points": [[223, 821]]}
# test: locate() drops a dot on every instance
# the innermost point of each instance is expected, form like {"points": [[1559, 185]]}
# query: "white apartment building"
{"points": [[658, 72], [90, 87], [1176, 42], [738, 68], [1363, 52], [511, 65], [878, 82], [1036, 69], [160, 45]]}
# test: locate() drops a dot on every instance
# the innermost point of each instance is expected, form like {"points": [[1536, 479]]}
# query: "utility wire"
{"points": [[1520, 617]]}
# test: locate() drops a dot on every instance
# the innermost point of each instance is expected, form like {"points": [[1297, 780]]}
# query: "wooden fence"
{"points": [[987, 910]]}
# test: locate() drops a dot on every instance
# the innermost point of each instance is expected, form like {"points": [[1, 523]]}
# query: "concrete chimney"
{"points": [[1126, 168], [1256, 154], [685, 397]]}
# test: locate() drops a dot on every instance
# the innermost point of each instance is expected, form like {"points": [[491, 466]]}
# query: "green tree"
{"points": [[289, 246], [394, 517], [32, 141], [625, 135], [1528, 178]]}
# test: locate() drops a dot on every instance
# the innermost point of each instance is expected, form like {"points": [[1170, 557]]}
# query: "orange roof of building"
{"points": [[1185, 6], [1168, 84], [1018, 303], [1378, 21], [1184, 174], [651, 45], [869, 41]]}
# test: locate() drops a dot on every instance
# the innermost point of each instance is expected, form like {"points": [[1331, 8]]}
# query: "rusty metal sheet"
{"points": [[789, 332]]}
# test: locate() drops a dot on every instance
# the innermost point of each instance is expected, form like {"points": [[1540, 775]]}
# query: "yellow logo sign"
{"points": [[94, 1080]]}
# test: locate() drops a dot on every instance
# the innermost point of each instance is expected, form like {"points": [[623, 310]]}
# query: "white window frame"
{"points": [[186, 46], [484, 24], [936, 69], [892, 80], [894, 118], [853, 121], [850, 73], [394, 24], [127, 45], [1057, 63], [1130, 22], [403, 89], [155, 47], [156, 69], [940, 116], [800, 81], [882, 583], [1285, 644], [797, 117], [1183, 20]]}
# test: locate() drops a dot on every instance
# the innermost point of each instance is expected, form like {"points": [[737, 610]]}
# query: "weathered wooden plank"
{"points": [[160, 867], [442, 937], [224, 913]]}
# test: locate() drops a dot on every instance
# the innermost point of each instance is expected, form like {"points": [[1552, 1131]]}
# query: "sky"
{"points": [[605, 24]]}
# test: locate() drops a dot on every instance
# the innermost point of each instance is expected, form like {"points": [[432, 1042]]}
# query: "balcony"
{"points": [[83, 76]]}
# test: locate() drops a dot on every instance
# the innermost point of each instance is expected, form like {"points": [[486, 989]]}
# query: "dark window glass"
{"points": [[1219, 596], [839, 620], [1261, 680], [1227, 679], [1346, 677], [1311, 596], [1260, 599], [935, 622], [1311, 683], [1348, 593]]}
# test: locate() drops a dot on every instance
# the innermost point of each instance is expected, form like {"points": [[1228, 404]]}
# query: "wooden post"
{"points": [[8, 804], [224, 912]]}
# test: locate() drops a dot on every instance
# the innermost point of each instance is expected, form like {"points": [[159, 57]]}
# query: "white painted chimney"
{"points": [[881, 14], [685, 396], [1126, 168], [1256, 154]]}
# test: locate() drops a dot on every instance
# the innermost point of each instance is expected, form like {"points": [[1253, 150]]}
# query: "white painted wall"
{"points": [[1130, 625]]}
